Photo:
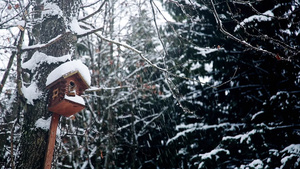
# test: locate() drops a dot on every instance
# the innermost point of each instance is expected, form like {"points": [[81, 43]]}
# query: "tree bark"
{"points": [[33, 141]]}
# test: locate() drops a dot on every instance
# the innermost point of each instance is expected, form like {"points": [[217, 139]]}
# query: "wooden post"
{"points": [[51, 141]]}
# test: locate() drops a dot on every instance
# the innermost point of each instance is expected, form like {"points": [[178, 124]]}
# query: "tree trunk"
{"points": [[33, 141]]}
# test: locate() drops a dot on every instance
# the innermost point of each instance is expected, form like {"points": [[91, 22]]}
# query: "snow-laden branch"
{"points": [[154, 65], [41, 46], [200, 126], [220, 24], [94, 89]]}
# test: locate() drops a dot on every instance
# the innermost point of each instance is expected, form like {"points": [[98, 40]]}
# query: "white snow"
{"points": [[39, 58], [75, 99], [71, 66], [165, 14], [31, 92], [182, 151], [200, 126], [257, 114], [212, 153], [208, 66], [74, 27], [51, 9], [204, 79], [195, 66], [209, 155], [242, 137], [257, 164], [43, 124], [39, 45], [292, 149], [206, 50], [179, 134], [266, 16], [286, 159], [21, 23]]}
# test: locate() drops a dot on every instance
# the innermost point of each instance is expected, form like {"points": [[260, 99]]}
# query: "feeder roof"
{"points": [[71, 67]]}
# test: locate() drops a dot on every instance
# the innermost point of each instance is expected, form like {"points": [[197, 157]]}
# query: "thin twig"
{"points": [[152, 64], [4, 78], [12, 157], [95, 12]]}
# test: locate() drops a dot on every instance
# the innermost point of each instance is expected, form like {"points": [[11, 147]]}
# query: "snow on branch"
{"points": [[266, 16], [39, 58], [94, 89], [41, 46], [200, 126], [220, 24]]}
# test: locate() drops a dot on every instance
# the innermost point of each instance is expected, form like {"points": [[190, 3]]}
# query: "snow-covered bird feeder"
{"points": [[66, 84]]}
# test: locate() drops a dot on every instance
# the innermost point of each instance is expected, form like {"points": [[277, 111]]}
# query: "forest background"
{"points": [[175, 84]]}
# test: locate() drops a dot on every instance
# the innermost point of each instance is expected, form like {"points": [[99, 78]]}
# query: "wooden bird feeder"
{"points": [[65, 94], [66, 84]]}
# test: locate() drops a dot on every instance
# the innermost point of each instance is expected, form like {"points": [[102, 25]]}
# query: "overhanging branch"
{"points": [[219, 22]]}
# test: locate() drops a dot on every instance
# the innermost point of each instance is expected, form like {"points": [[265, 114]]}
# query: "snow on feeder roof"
{"points": [[67, 69], [66, 84]]}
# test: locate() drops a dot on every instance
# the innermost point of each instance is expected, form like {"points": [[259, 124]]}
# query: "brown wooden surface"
{"points": [[51, 141], [66, 108]]}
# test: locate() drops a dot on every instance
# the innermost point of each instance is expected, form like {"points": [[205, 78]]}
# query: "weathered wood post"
{"points": [[51, 140], [66, 84]]}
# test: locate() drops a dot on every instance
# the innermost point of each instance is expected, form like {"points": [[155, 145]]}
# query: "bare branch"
{"points": [[157, 30], [95, 12], [10, 62]]}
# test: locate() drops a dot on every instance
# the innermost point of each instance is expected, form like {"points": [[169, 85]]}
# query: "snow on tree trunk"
{"points": [[49, 22]]}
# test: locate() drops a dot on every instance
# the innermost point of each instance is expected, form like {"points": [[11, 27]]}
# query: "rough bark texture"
{"points": [[33, 142]]}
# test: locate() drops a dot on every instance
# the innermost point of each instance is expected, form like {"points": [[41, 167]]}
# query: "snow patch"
{"points": [[207, 50], [287, 159], [179, 134], [242, 137], [21, 23], [292, 149], [67, 67], [75, 99], [205, 79], [51, 9], [74, 27], [212, 153], [195, 66], [256, 114], [31, 92], [257, 164], [266, 16], [200, 126], [208, 66], [43, 124], [39, 58]]}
